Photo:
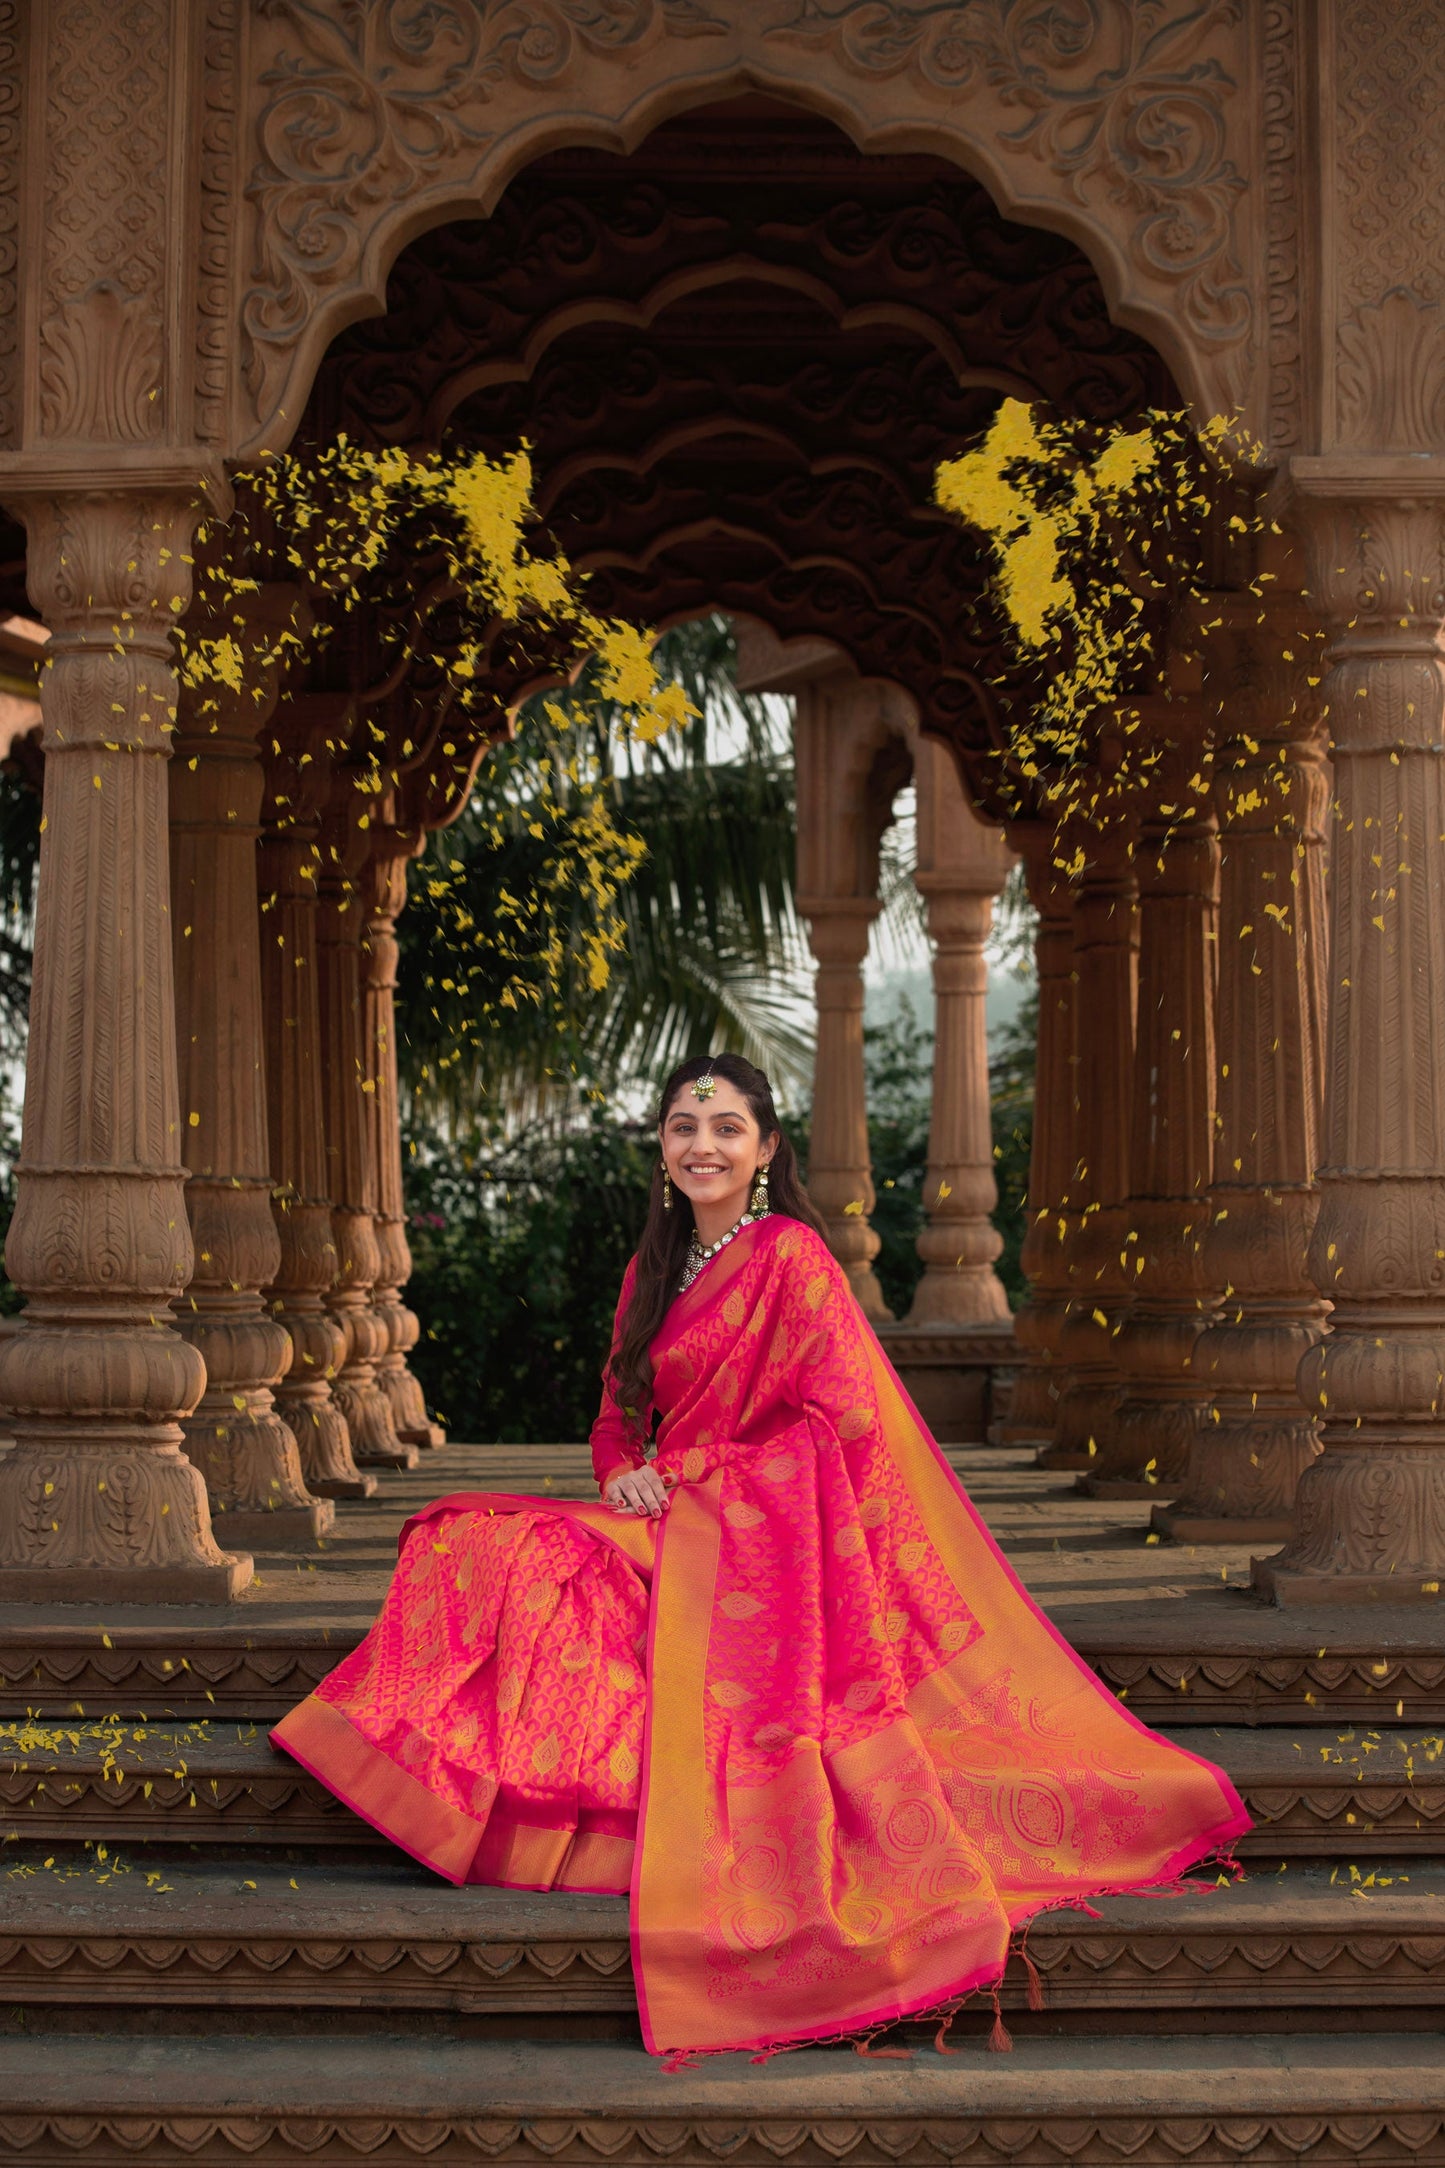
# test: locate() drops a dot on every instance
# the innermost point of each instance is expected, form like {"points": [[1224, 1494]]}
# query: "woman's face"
{"points": [[713, 1148]]}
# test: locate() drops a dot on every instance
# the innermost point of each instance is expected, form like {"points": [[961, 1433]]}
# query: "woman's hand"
{"points": [[637, 1490]]}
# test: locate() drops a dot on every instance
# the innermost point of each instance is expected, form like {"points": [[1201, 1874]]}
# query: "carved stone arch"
{"points": [[610, 311], [1139, 149]]}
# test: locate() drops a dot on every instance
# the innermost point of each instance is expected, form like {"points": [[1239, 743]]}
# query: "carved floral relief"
{"points": [[1125, 119]]}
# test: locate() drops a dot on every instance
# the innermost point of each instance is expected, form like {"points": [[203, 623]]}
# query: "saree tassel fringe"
{"points": [[1000, 2040]]}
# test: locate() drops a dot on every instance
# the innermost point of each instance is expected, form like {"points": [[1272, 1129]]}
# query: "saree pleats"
{"points": [[492, 1721], [845, 1753]]}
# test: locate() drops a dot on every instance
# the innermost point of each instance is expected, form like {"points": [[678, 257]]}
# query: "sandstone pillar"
{"points": [[962, 865], [349, 1090], [1038, 1326], [850, 741], [298, 776], [385, 896], [1370, 1512], [840, 1177], [235, 1436], [1106, 950], [1147, 1441], [97, 1500], [1272, 791]]}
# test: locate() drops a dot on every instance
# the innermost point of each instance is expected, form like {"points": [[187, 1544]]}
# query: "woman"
{"points": [[780, 1684]]}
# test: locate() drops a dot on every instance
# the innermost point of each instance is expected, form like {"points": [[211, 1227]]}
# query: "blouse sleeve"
{"points": [[615, 1441]]}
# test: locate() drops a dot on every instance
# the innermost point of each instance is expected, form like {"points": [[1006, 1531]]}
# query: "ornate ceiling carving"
{"points": [[739, 357], [1130, 130]]}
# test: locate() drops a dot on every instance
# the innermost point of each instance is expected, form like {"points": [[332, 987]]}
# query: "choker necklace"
{"points": [[697, 1256]]}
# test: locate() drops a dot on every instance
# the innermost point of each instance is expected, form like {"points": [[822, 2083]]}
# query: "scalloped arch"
{"points": [[362, 136]]}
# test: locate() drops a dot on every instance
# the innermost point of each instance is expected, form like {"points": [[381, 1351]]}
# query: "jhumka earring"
{"points": [[666, 1190], [758, 1203]]}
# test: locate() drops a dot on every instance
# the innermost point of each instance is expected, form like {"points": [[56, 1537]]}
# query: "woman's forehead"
{"points": [[724, 1098]]}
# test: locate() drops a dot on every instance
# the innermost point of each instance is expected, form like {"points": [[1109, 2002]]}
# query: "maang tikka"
{"points": [[705, 1086]]}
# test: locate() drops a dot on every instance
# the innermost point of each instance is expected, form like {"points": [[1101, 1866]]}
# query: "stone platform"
{"points": [[204, 1958], [1174, 1629], [234, 2098], [1313, 1793]]}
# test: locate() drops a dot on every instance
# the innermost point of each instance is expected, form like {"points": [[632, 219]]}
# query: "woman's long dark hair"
{"points": [[662, 1250]]}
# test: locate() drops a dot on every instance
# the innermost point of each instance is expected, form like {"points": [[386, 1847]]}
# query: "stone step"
{"points": [[88, 2102], [1221, 1659], [1313, 1795], [1301, 1949]]}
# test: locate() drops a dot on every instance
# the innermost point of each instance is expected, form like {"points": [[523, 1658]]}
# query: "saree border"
{"points": [[940, 1478], [667, 1870], [584, 1856]]}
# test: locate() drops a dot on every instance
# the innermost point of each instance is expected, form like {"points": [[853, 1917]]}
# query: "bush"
{"points": [[519, 1255]]}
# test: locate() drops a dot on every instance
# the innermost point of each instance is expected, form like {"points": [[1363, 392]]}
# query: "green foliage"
{"points": [[20, 815], [1011, 1090], [666, 867], [898, 1058], [519, 1255]]}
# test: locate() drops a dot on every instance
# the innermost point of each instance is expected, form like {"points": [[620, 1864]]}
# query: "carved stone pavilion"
{"points": [[742, 272]]}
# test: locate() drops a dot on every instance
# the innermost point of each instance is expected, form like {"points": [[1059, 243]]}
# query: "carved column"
{"points": [[1370, 1512], [1053, 1154], [1106, 950], [1272, 793], [852, 757], [840, 1176], [235, 1436], [1147, 1441], [298, 775], [97, 1501], [350, 1093], [962, 865], [386, 894]]}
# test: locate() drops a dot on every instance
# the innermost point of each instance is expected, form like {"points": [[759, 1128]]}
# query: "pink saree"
{"points": [[810, 1719]]}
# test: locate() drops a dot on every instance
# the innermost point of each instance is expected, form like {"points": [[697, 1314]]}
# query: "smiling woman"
{"points": [[725, 1158], [779, 1682]]}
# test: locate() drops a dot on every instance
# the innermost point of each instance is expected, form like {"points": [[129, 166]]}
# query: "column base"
{"points": [[274, 1531], [361, 1485], [221, 1583], [1297, 1591], [430, 1439], [1118, 1487], [1062, 1459], [404, 1457], [1179, 1525], [374, 1442]]}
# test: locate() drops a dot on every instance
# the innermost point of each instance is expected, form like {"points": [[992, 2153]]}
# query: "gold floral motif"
{"points": [[546, 1754], [729, 1694]]}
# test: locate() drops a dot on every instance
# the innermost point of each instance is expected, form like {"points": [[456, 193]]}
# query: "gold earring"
{"points": [[666, 1189], [758, 1203]]}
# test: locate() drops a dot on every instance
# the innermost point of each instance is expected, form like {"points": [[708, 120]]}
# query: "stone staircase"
{"points": [[204, 1958]]}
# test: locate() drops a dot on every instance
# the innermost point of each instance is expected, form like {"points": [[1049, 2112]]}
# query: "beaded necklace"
{"points": [[697, 1256]]}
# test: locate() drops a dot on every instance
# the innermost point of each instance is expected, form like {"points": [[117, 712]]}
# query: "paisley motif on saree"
{"points": [[867, 1757]]}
